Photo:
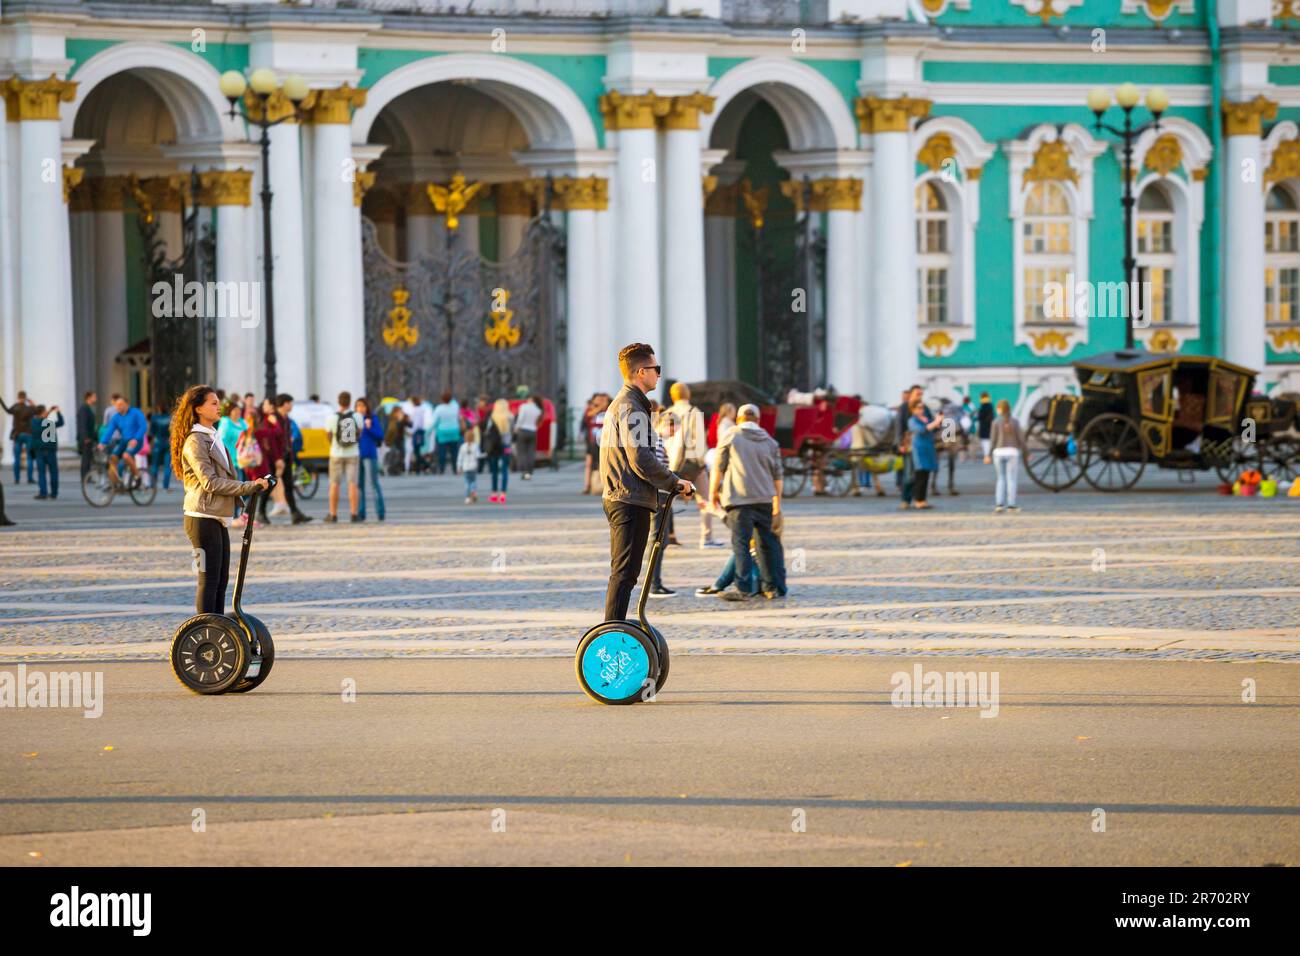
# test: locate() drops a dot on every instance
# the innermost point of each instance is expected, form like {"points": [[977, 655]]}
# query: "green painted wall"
{"points": [[995, 282], [939, 71]]}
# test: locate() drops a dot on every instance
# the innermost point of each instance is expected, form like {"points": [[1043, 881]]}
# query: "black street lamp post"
{"points": [[264, 84], [1127, 97]]}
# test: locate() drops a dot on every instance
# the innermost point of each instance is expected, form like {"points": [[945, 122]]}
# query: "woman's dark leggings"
{"points": [[920, 485], [211, 544]]}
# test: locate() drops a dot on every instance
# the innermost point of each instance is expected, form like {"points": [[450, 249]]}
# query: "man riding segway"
{"points": [[631, 474]]}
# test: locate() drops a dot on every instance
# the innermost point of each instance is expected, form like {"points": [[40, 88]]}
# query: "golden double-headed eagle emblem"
{"points": [[451, 200], [399, 333]]}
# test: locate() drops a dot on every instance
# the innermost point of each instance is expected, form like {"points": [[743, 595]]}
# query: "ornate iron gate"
{"points": [[182, 348], [790, 304], [458, 322]]}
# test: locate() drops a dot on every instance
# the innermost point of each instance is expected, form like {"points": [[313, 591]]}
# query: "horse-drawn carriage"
{"points": [[1183, 412]]}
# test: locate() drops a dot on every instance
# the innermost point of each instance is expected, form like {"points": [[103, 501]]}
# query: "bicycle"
{"points": [[305, 481], [99, 489]]}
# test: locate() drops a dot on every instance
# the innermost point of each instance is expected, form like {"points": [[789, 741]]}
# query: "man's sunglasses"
{"points": [[658, 368]]}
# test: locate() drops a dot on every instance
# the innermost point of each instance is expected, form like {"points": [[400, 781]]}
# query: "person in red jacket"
{"points": [[270, 436]]}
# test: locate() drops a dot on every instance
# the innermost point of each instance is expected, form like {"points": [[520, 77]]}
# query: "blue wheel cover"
{"points": [[615, 665]]}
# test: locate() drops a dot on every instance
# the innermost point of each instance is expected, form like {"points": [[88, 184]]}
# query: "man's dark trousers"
{"points": [[629, 529], [745, 520]]}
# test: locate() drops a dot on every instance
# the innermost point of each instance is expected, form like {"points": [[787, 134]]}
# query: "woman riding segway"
{"points": [[213, 653]]}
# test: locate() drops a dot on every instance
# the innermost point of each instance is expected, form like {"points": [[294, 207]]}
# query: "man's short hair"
{"points": [[680, 391], [284, 398], [634, 356], [747, 413], [915, 388], [86, 397], [345, 399]]}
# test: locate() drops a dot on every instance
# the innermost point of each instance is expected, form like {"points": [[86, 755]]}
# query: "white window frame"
{"points": [[945, 261], [1187, 195], [1281, 260], [961, 190], [1083, 150]]}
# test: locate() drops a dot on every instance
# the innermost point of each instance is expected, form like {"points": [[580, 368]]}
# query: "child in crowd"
{"points": [[467, 461]]}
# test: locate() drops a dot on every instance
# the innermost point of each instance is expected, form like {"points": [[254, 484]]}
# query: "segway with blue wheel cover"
{"points": [[226, 653], [623, 662]]}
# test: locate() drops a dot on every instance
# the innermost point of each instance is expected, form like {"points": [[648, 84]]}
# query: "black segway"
{"points": [[226, 653], [621, 662]]}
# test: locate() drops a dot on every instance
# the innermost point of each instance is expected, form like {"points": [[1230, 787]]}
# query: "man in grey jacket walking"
{"points": [[747, 483], [631, 474]]}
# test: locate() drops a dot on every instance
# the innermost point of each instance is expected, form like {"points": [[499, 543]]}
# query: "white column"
{"points": [[685, 347], [289, 263], [583, 200], [1243, 231], [868, 384], [420, 235], [44, 266], [469, 238], [10, 334], [893, 336], [239, 350], [636, 218], [842, 267], [510, 233], [606, 341], [337, 294]]}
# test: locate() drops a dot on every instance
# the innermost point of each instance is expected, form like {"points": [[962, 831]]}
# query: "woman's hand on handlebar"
{"points": [[262, 483], [685, 488]]}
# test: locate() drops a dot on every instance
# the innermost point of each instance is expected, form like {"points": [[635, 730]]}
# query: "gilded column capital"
{"points": [[633, 110], [165, 193], [333, 106], [36, 99], [877, 115], [936, 151], [72, 177], [516, 198], [587, 192], [684, 111], [225, 187], [363, 182], [278, 106], [974, 173], [836, 195], [792, 189], [1247, 118]]}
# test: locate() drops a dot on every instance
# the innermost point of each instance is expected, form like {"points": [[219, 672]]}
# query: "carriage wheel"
{"points": [[839, 476], [1281, 459], [1048, 458], [1113, 453], [794, 475]]}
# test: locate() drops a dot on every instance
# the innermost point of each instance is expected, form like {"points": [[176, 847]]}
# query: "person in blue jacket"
{"points": [[123, 437], [371, 437], [922, 425], [160, 452], [44, 447]]}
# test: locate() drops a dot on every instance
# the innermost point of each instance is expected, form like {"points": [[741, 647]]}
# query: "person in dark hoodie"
{"points": [[45, 449], [631, 474]]}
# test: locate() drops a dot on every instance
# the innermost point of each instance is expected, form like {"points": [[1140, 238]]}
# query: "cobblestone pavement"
{"points": [[1167, 570]]}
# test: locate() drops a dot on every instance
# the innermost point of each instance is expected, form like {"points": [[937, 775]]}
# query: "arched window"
{"points": [[933, 255], [1156, 253], [1281, 257], [1047, 245]]}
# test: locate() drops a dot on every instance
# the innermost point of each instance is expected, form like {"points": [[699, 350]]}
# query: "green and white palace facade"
{"points": [[874, 192]]}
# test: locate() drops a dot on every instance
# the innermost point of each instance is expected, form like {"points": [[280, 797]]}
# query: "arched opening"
{"points": [[462, 288]]}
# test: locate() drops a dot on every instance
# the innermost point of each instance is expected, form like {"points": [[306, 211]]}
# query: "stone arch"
{"points": [[812, 110], [186, 83], [551, 113]]}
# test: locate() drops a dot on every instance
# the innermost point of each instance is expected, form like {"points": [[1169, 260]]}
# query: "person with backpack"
{"points": [[399, 426], [372, 437], [344, 428], [686, 453]]}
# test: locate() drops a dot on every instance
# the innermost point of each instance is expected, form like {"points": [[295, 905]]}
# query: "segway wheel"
{"points": [[617, 663], [210, 654], [662, 647], [259, 668]]}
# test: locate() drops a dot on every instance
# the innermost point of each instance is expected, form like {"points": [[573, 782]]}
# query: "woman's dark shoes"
{"points": [[301, 518], [708, 591]]}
